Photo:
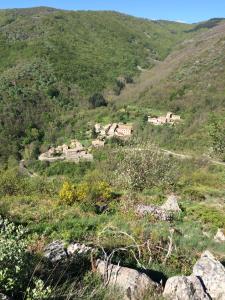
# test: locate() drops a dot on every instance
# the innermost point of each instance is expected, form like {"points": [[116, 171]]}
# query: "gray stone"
{"points": [[212, 274], [55, 251], [184, 288], [132, 284], [78, 249], [157, 212]]}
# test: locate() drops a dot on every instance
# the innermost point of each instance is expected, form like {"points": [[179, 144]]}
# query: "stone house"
{"points": [[74, 152], [170, 118], [115, 129], [98, 143], [124, 130]]}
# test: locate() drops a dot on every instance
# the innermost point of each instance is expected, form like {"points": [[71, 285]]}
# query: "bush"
{"points": [[13, 257], [119, 86], [145, 167], [11, 182], [39, 291], [216, 131], [97, 100], [83, 192], [67, 193], [16, 265]]}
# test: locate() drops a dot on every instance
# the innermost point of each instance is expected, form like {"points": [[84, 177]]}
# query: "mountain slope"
{"points": [[190, 82], [90, 49], [53, 60]]}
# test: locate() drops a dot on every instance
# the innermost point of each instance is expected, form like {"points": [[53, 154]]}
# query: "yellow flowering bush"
{"points": [[84, 192], [102, 191], [67, 193]]}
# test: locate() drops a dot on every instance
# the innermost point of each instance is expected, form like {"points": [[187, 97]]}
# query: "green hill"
{"points": [[90, 49], [189, 82], [52, 61]]}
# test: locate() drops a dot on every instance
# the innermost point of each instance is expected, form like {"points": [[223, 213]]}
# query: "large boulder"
{"points": [[171, 204], [132, 284], [206, 282], [212, 274], [184, 288]]}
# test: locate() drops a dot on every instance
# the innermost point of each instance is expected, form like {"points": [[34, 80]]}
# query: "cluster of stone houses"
{"points": [[75, 152], [111, 130], [170, 118]]}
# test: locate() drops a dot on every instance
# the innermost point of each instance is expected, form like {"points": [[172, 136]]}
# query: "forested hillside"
{"points": [[96, 201], [189, 82], [52, 61]]}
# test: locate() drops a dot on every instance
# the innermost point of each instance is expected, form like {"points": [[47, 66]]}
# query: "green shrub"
{"points": [[145, 167], [11, 182], [17, 265], [97, 100], [207, 215]]}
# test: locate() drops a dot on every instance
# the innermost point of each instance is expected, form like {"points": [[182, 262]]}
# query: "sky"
{"points": [[188, 11]]}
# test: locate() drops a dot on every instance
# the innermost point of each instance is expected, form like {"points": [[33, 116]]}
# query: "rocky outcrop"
{"points": [[220, 236], [156, 211], [212, 274], [206, 282], [164, 212], [78, 249], [57, 252], [132, 284], [184, 288]]}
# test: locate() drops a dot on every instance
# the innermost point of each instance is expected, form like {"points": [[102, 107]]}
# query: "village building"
{"points": [[98, 143], [115, 129], [124, 130], [170, 118], [74, 152]]}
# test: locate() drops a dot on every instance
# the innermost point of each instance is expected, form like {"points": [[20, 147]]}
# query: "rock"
{"points": [[55, 251], [78, 249], [101, 208], [184, 288], [156, 211], [220, 236], [212, 274], [171, 204], [130, 282]]}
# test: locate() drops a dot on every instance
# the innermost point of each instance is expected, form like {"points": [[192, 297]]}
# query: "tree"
{"points": [[217, 134], [97, 100]]}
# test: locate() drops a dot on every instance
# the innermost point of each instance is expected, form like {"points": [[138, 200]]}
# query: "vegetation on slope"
{"points": [[189, 82]]}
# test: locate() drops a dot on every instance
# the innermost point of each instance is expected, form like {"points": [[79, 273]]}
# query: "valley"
{"points": [[112, 155]]}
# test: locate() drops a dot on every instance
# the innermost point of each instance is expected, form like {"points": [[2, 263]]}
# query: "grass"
{"points": [[47, 219]]}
